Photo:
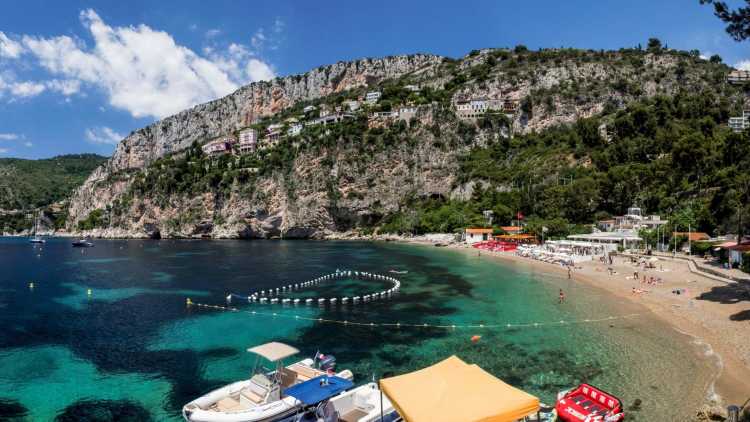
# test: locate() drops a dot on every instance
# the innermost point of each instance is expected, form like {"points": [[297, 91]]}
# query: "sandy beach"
{"points": [[709, 311]]}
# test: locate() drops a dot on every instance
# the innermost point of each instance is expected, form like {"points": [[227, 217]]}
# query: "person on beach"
{"points": [[568, 273], [562, 297]]}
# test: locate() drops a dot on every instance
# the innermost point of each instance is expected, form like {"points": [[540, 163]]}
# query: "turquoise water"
{"points": [[132, 349]]}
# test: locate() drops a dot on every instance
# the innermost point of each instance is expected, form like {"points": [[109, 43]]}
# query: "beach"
{"points": [[706, 310]]}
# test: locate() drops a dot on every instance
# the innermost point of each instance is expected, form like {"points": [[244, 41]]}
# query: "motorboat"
{"points": [[37, 239], [588, 403], [362, 404], [82, 243], [264, 397], [365, 403]]}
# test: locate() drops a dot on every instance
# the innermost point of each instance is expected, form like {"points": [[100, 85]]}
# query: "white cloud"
{"points": [[8, 47], [26, 89], [259, 71], [743, 65], [28, 144], [9, 136], [278, 26], [211, 33], [18, 89], [65, 87], [142, 70], [4, 150], [102, 135], [258, 39]]}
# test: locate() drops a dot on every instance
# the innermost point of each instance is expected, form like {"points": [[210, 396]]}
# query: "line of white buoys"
{"points": [[423, 325], [266, 296]]}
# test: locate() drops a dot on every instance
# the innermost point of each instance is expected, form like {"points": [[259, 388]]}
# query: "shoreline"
{"points": [[707, 323]]}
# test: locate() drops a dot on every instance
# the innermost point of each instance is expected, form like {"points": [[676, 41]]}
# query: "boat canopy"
{"points": [[274, 351], [315, 390], [453, 390]]}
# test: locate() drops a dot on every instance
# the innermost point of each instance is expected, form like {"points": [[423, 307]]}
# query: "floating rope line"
{"points": [[412, 325], [271, 296]]}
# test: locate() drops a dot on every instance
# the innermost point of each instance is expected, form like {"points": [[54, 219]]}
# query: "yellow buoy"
{"points": [[188, 302], [88, 292]]}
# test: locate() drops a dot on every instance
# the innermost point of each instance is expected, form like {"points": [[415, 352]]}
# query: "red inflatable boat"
{"points": [[588, 404]]}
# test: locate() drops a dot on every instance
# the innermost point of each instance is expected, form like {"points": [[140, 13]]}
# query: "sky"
{"points": [[78, 76]]}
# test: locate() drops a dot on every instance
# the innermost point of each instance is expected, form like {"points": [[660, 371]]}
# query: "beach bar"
{"points": [[610, 240], [453, 390]]}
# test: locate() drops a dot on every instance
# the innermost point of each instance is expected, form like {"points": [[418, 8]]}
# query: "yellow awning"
{"points": [[453, 391]]}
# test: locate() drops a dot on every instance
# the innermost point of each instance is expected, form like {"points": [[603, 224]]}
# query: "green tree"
{"points": [[737, 20], [654, 45]]}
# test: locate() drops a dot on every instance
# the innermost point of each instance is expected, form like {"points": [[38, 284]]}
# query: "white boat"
{"points": [[36, 238], [263, 398], [362, 404]]}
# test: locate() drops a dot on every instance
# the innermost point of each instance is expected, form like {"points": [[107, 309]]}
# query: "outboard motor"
{"points": [[325, 363]]}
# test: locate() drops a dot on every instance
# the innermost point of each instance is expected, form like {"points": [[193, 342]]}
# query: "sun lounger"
{"points": [[227, 404], [305, 373]]}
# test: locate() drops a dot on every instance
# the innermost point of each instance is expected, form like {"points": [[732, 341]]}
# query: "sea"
{"points": [[105, 333]]}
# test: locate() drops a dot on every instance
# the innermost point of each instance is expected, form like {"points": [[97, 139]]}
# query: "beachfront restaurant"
{"points": [[473, 235], [610, 240], [453, 390]]}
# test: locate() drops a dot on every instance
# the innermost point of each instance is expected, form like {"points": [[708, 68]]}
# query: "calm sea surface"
{"points": [[132, 349]]}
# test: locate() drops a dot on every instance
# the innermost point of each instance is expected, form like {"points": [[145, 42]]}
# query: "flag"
{"points": [[519, 215]]}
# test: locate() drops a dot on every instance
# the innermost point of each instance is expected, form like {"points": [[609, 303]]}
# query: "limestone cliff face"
{"points": [[222, 116], [316, 199], [338, 189]]}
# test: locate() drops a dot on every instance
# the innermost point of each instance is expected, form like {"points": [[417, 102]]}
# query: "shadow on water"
{"points": [[12, 411], [730, 294], [104, 411]]}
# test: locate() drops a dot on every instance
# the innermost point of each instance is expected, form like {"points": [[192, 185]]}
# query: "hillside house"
{"points": [[407, 113], [738, 77], [477, 107], [248, 140], [740, 123], [351, 105], [294, 130], [217, 148], [273, 132], [373, 97], [331, 118], [412, 88], [308, 109]]}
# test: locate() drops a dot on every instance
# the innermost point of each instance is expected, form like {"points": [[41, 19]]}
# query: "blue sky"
{"points": [[78, 76]]}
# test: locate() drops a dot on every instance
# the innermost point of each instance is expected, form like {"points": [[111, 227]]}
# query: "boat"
{"points": [[82, 243], [37, 239], [264, 397], [398, 272], [362, 404], [588, 403]]}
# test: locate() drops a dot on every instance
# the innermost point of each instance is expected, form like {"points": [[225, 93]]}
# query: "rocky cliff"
{"points": [[332, 180]]}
